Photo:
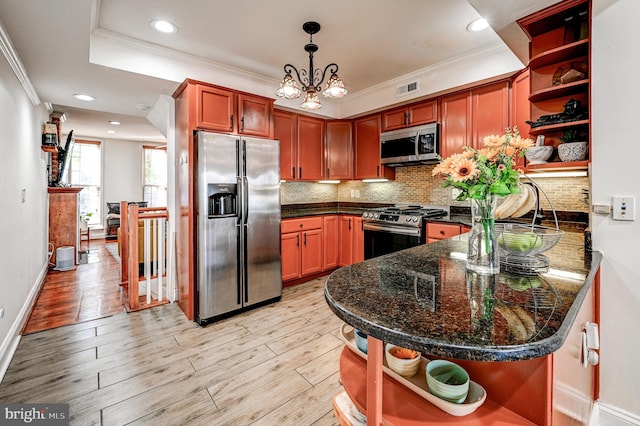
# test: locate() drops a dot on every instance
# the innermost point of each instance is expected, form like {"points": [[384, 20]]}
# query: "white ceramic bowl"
{"points": [[447, 380], [539, 154], [403, 366]]}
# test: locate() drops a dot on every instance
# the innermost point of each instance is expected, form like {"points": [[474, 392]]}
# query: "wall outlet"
{"points": [[353, 193], [601, 208], [357, 193], [624, 208]]}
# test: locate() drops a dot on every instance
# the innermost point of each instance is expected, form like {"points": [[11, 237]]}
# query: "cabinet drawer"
{"points": [[440, 230], [294, 225]]}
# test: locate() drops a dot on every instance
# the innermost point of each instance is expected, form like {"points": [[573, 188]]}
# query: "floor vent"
{"points": [[407, 88]]}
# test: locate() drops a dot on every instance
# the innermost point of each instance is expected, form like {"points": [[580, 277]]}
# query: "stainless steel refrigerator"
{"points": [[238, 224]]}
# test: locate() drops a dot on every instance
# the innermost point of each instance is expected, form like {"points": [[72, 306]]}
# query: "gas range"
{"points": [[405, 215]]}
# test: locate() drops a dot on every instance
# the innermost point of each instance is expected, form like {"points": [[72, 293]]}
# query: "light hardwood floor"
{"points": [[276, 365]]}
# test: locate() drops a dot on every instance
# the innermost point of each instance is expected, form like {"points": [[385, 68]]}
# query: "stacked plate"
{"points": [[517, 205]]}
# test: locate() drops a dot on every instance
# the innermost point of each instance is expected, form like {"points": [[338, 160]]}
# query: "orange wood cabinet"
{"points": [[367, 150], [413, 115], [285, 127], [64, 229], [224, 110], [301, 243], [302, 147], [520, 108], [440, 231], [310, 148], [330, 242], [351, 240], [560, 42], [339, 150], [467, 117]]}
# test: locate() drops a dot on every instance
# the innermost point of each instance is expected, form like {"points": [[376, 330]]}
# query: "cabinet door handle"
{"points": [[305, 238], [441, 232], [377, 171], [298, 240], [299, 172], [293, 172], [328, 172], [404, 119], [242, 124], [349, 224], [232, 122], [408, 118]]}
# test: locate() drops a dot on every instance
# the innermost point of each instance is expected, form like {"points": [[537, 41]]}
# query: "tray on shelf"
{"points": [[418, 383]]}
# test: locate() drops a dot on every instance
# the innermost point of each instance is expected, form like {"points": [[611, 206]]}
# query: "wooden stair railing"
{"points": [[154, 239]]}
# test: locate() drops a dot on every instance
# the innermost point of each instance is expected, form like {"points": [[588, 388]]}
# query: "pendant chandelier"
{"points": [[310, 81]]}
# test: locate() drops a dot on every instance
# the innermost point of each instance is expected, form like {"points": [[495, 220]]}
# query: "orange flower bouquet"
{"points": [[483, 175]]}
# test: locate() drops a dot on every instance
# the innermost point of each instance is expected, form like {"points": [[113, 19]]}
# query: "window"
{"points": [[154, 183], [85, 170]]}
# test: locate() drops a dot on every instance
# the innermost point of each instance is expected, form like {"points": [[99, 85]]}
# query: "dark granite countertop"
{"points": [[422, 298], [290, 211]]}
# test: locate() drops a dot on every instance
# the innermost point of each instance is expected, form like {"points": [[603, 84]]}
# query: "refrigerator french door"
{"points": [[238, 224]]}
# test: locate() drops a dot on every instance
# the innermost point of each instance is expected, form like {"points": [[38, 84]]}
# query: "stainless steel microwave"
{"points": [[413, 145]]}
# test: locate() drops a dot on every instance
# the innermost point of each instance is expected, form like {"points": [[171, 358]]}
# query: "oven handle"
{"points": [[390, 229]]}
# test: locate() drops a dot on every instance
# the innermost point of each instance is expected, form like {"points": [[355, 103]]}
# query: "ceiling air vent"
{"points": [[407, 88]]}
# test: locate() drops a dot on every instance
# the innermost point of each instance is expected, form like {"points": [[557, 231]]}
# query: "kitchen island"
{"points": [[423, 299]]}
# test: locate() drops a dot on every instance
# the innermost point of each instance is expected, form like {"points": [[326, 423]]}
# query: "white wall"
{"points": [[122, 171], [23, 225], [616, 152]]}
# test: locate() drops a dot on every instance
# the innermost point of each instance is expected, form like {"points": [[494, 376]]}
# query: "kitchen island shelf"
{"points": [[423, 299]]}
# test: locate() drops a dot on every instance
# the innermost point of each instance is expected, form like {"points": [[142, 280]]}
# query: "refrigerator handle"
{"points": [[245, 201]]}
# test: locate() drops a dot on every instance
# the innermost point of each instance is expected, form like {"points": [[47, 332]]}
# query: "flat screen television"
{"points": [[64, 159]]}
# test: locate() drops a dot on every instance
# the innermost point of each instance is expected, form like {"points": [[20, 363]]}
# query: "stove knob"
{"points": [[408, 219], [415, 219], [365, 215], [375, 215]]}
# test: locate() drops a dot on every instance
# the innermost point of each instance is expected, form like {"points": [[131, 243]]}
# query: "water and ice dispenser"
{"points": [[222, 199]]}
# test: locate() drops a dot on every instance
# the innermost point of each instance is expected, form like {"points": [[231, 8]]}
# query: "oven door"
{"points": [[385, 239]]}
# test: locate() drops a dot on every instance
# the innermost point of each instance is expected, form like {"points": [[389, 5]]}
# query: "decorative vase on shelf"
{"points": [[483, 254], [573, 151]]}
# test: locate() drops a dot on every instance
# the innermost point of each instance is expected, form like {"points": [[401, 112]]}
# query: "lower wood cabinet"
{"points": [[330, 242], [440, 231], [301, 247], [351, 240], [310, 245]]}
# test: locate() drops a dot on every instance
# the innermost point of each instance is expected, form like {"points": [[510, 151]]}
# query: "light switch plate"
{"points": [[624, 208]]}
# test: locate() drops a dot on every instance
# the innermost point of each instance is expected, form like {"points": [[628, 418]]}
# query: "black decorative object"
{"points": [[573, 111], [311, 80]]}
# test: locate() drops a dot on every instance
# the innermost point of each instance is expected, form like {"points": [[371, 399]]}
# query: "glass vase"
{"points": [[482, 254]]}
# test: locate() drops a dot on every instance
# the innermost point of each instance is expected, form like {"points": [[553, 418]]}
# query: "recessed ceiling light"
{"points": [[478, 25], [83, 97], [111, 131], [164, 26], [115, 123]]}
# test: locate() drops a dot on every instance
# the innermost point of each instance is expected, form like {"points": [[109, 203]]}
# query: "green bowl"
{"points": [[447, 380]]}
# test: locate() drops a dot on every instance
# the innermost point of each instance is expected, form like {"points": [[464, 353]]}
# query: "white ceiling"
{"points": [[372, 41]]}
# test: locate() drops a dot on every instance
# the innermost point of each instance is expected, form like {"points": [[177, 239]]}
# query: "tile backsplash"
{"points": [[415, 185]]}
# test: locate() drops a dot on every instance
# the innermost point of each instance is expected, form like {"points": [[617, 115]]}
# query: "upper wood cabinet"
{"points": [[467, 117], [367, 150], [301, 146], [223, 110], [339, 149], [310, 148], [520, 111], [285, 127], [559, 68], [413, 115]]}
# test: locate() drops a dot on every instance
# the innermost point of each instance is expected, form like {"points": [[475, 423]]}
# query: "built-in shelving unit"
{"points": [[559, 43]]}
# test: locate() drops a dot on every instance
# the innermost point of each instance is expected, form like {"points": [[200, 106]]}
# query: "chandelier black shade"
{"points": [[310, 81]]}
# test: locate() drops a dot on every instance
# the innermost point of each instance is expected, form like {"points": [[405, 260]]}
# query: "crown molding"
{"points": [[9, 52]]}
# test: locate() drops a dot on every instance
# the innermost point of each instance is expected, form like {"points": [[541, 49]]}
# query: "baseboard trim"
{"points": [[614, 416], [10, 343]]}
